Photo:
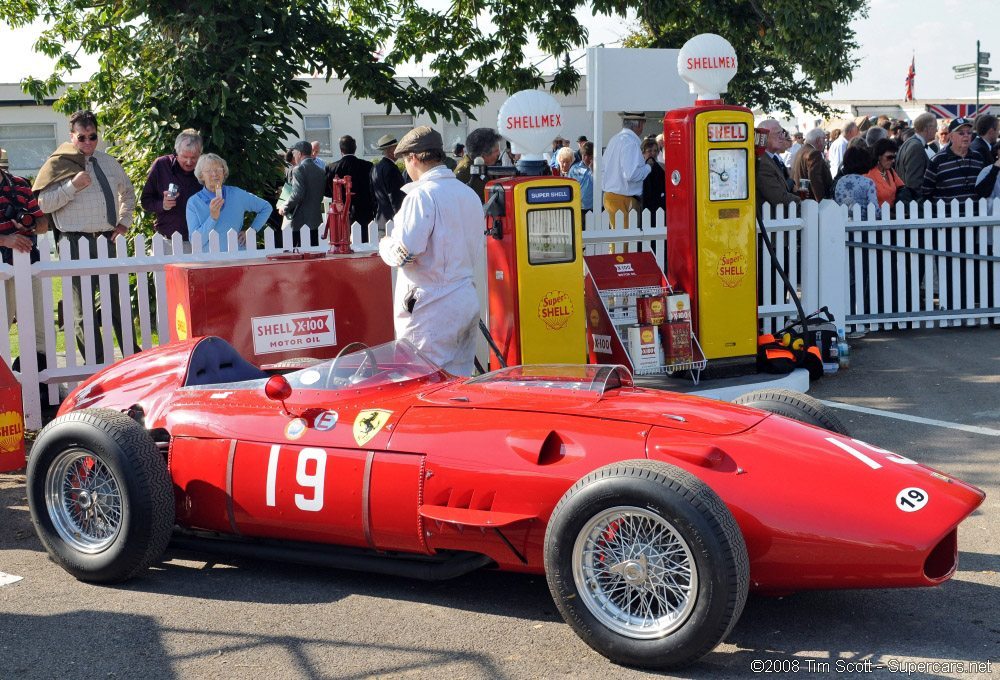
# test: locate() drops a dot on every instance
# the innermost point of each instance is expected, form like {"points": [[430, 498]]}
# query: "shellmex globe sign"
{"points": [[530, 120], [707, 63]]}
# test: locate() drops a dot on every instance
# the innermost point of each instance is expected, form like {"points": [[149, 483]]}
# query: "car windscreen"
{"points": [[392, 362], [595, 378]]}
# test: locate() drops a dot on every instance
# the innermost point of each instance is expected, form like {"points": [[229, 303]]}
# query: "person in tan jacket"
{"points": [[810, 164], [88, 195]]}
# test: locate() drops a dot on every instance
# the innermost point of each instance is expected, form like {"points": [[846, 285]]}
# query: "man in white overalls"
{"points": [[436, 238]]}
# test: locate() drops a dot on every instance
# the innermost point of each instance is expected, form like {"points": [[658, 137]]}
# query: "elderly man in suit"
{"points": [[810, 164], [772, 176], [305, 205], [911, 160]]}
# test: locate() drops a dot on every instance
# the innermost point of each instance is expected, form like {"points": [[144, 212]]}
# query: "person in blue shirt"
{"points": [[583, 172], [557, 144], [219, 207]]}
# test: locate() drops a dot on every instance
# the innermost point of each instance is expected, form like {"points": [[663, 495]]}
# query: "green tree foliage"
{"points": [[788, 50]]}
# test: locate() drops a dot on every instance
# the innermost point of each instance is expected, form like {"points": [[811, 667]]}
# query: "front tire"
{"points": [[646, 563], [100, 495]]}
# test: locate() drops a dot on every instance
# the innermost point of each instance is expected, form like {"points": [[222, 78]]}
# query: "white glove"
{"points": [[393, 253]]}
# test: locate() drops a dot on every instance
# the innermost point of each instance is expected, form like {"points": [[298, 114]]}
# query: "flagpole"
{"points": [[977, 75]]}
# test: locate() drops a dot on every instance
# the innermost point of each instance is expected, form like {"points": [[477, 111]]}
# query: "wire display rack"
{"points": [[621, 307]]}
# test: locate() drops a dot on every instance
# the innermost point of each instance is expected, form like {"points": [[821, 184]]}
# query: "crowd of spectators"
{"points": [[880, 161]]}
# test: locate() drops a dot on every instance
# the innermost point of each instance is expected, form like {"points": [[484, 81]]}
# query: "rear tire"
{"points": [[794, 405], [647, 564], [100, 495]]}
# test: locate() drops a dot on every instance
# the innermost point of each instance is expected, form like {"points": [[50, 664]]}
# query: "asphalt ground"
{"points": [[188, 618]]}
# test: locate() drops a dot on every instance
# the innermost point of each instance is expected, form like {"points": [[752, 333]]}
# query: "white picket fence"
{"points": [[830, 258], [935, 265]]}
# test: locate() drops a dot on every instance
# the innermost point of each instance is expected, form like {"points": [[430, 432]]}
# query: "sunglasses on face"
{"points": [[889, 156], [92, 137]]}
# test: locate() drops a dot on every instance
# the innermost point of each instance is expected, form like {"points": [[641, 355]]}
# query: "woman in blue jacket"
{"points": [[219, 207]]}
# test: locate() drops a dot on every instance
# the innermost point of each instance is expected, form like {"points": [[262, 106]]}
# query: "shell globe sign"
{"points": [[707, 63], [530, 119]]}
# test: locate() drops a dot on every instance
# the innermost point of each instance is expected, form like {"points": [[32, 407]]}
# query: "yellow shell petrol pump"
{"points": [[712, 241], [534, 257]]}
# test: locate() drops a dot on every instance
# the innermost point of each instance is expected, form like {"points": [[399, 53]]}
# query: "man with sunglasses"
{"points": [[88, 195]]}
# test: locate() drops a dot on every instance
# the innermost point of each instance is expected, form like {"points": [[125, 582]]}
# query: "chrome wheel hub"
{"points": [[633, 571]]}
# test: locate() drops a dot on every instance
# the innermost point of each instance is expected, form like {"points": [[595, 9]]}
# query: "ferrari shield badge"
{"points": [[369, 423]]}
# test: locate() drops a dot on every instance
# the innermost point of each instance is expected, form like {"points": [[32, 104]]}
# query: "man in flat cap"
{"points": [[436, 237], [387, 182], [305, 204], [624, 170]]}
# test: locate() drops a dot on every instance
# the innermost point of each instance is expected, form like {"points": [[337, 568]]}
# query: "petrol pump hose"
{"points": [[492, 344], [808, 338], [789, 288]]}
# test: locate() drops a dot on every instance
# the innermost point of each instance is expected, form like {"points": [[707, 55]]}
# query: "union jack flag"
{"points": [[958, 110], [911, 76]]}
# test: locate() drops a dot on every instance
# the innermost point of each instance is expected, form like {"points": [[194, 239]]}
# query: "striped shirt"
{"points": [[15, 190], [949, 176], [84, 210]]}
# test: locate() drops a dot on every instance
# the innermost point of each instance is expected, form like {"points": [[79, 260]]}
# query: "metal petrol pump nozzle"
{"points": [[338, 226]]}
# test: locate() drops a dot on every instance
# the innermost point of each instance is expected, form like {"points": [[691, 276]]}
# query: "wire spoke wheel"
{"points": [[84, 499], [635, 573]]}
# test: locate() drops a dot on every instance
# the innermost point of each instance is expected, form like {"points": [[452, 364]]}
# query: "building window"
{"points": [[28, 146], [377, 125], [317, 129]]}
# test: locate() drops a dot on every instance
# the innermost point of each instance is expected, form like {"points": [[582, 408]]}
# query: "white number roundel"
{"points": [[911, 499]]}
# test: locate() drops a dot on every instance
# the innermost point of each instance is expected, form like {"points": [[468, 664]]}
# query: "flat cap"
{"points": [[423, 138], [633, 115], [385, 141], [305, 148]]}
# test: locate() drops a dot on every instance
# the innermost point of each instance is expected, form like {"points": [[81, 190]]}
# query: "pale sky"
{"points": [[939, 33]]}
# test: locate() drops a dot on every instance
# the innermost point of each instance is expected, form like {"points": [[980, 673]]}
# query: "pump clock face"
{"points": [[727, 175]]}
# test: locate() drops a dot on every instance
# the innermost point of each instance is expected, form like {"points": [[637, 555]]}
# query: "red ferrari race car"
{"points": [[651, 514]]}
